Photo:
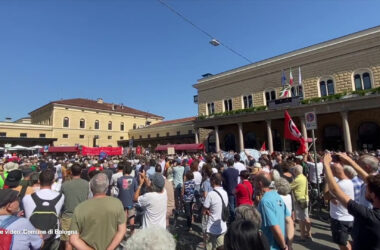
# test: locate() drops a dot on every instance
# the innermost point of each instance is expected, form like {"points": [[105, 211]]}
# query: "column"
{"points": [[196, 131], [241, 138], [346, 131], [270, 137], [303, 129], [217, 145]]}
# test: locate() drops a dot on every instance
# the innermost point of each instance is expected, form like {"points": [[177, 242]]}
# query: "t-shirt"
{"points": [[244, 192], [75, 191], [205, 188], [188, 195], [127, 186], [288, 201], [178, 176], [155, 205], [27, 240], [239, 167], [215, 224], [299, 187], [96, 221], [312, 177], [230, 178], [365, 233], [273, 212], [197, 177], [151, 171], [115, 177], [44, 194], [339, 212]]}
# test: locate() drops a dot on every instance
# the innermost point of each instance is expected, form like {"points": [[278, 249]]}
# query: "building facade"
{"points": [[79, 122], [340, 81], [177, 131]]}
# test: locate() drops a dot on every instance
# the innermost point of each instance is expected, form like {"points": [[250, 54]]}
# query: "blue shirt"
{"points": [[273, 212], [151, 171], [188, 195], [127, 187], [230, 177], [362, 200], [357, 187]]}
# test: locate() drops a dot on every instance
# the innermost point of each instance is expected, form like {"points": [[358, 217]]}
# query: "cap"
{"points": [[10, 166], [158, 180], [257, 165], [7, 196], [13, 179]]}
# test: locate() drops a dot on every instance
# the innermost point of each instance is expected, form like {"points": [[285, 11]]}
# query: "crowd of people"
{"points": [[76, 202]]}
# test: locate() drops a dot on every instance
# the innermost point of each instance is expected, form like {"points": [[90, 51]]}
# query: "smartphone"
{"points": [[335, 158]]}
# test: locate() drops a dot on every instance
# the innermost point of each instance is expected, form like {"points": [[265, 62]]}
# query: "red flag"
{"points": [[263, 147], [291, 131], [303, 148]]}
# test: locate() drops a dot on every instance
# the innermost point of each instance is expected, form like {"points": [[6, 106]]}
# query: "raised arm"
{"points": [[333, 186]]}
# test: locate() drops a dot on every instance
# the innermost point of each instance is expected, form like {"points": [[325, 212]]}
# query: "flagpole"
{"points": [[315, 160]]}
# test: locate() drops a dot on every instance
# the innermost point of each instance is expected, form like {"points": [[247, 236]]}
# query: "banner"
{"points": [[102, 150]]}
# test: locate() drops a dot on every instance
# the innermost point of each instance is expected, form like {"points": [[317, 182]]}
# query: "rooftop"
{"points": [[172, 122], [100, 105]]}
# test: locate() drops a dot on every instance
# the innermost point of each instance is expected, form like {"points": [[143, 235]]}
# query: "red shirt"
{"points": [[244, 192]]}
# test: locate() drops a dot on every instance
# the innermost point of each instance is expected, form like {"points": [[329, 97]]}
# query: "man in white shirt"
{"points": [[120, 166], [45, 195], [238, 165], [154, 203], [216, 227], [341, 220], [312, 173]]}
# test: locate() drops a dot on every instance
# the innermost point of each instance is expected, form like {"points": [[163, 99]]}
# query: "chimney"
{"points": [[99, 100], [113, 106]]}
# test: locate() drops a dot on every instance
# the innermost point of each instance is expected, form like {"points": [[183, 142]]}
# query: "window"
{"points": [[23, 135], [210, 108], [167, 134], [362, 80], [158, 135], [148, 135], [190, 132], [178, 132], [109, 137], [326, 87], [140, 137], [134, 125], [247, 101], [66, 122], [42, 135], [270, 95], [82, 123], [228, 105], [81, 136], [96, 125], [147, 123], [65, 136], [3, 134], [121, 137], [122, 126], [109, 125]]}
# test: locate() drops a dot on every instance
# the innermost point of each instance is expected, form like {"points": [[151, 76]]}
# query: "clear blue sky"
{"points": [[138, 53]]}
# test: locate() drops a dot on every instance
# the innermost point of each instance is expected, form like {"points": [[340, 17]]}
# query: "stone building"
{"points": [[177, 131], [242, 108], [77, 122]]}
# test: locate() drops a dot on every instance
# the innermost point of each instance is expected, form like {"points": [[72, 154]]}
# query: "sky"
{"points": [[139, 53]]}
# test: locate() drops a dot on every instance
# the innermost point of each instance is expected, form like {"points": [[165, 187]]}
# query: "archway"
{"points": [[229, 142], [211, 146], [369, 136], [332, 138], [250, 140]]}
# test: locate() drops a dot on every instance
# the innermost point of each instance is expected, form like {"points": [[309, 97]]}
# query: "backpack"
{"points": [[44, 216], [225, 212], [6, 239]]}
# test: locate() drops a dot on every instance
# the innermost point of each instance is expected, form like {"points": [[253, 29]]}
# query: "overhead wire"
{"points": [[202, 30]]}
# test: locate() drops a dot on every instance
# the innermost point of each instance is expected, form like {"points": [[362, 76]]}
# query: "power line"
{"points": [[213, 41]]}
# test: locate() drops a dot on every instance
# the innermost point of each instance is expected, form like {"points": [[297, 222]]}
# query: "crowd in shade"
{"points": [[240, 201]]}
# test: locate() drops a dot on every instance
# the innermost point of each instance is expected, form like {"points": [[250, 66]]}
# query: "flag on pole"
{"points": [[291, 131], [299, 76], [290, 78], [285, 92], [283, 78], [263, 147]]}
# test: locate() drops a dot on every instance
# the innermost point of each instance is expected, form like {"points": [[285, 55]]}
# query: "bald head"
{"points": [[263, 179]]}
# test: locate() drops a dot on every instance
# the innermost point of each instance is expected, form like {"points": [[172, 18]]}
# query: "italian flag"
{"points": [[291, 78]]}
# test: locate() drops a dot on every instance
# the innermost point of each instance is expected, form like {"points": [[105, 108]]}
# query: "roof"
{"points": [[93, 104], [364, 33], [172, 122]]}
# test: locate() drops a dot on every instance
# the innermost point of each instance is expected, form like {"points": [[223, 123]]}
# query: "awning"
{"points": [[62, 149], [181, 147]]}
